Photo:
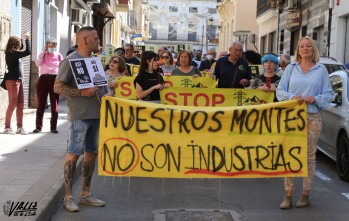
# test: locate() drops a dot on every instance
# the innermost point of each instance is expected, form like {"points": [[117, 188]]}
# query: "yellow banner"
{"points": [[190, 82], [126, 88], [134, 69], [152, 140], [214, 97]]}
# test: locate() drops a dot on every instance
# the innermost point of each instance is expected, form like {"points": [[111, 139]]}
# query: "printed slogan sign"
{"points": [[152, 140], [214, 97], [88, 72]]}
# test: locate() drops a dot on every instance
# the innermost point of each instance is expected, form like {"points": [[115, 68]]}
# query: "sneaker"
{"points": [[90, 201], [36, 131], [20, 130], [70, 205], [9, 131]]}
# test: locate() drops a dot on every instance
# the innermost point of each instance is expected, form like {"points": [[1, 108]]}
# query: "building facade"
{"points": [[339, 32], [237, 22], [283, 22], [191, 24]]}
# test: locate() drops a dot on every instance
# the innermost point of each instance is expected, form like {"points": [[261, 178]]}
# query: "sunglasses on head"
{"points": [[165, 57]]}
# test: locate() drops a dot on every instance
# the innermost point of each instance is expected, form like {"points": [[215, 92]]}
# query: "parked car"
{"points": [[334, 138], [330, 63]]}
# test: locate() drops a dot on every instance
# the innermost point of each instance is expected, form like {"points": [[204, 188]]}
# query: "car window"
{"points": [[334, 67]]}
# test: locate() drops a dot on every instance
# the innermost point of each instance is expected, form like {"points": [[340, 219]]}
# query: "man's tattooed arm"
{"points": [[60, 87]]}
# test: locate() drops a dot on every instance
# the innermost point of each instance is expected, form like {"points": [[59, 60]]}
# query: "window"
{"points": [[172, 32], [304, 31], [282, 39], [193, 10], [153, 31], [191, 34], [173, 9]]}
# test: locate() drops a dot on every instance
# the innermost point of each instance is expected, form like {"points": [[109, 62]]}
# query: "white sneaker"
{"points": [[9, 131], [20, 130]]}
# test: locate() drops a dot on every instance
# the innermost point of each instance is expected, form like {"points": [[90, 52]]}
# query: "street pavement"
{"points": [[31, 166]]}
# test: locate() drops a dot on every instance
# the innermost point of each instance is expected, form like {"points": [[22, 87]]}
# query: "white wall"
{"points": [[339, 39]]}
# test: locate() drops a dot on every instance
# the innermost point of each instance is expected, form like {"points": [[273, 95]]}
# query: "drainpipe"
{"points": [[329, 26]]}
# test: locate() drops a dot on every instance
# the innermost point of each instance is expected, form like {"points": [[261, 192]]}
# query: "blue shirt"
{"points": [[226, 72], [315, 82]]}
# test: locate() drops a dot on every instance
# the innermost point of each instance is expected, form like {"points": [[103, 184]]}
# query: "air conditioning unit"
{"points": [[291, 4], [78, 16]]}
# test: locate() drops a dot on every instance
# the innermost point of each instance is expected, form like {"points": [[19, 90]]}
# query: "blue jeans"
{"points": [[83, 136]]}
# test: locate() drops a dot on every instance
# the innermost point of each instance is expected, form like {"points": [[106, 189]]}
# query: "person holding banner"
{"points": [[117, 67], [185, 66], [83, 118], [269, 80], [307, 81], [149, 82], [232, 70]]}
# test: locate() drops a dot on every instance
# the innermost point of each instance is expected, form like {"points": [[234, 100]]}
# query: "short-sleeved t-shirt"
{"points": [[147, 80], [79, 108], [178, 72], [229, 75]]}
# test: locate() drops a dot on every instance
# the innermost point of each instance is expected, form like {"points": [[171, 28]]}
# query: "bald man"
{"points": [[83, 117]]}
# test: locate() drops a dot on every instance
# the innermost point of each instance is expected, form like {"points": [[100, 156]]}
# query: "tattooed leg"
{"points": [[88, 166], [69, 172]]}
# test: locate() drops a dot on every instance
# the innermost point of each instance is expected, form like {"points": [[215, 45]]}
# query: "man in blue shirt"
{"points": [[232, 70]]}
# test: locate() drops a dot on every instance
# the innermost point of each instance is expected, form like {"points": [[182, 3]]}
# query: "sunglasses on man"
{"points": [[119, 52]]}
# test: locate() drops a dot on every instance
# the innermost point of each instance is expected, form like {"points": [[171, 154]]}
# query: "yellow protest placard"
{"points": [[126, 88], [189, 81], [214, 97], [134, 69], [152, 140]]}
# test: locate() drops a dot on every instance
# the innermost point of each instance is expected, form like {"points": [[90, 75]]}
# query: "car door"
{"points": [[331, 119]]}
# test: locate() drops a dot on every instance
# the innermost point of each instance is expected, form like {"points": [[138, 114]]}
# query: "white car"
{"points": [[330, 63], [334, 138]]}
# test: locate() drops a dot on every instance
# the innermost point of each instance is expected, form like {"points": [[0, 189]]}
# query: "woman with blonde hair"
{"points": [[307, 81], [14, 85], [116, 70]]}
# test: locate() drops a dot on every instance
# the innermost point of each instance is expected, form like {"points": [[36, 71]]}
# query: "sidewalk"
{"points": [[31, 166]]}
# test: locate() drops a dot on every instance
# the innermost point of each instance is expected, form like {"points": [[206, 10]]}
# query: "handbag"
{"points": [[3, 82]]}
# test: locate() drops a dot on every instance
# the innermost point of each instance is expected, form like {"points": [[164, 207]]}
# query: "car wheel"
{"points": [[343, 157]]}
